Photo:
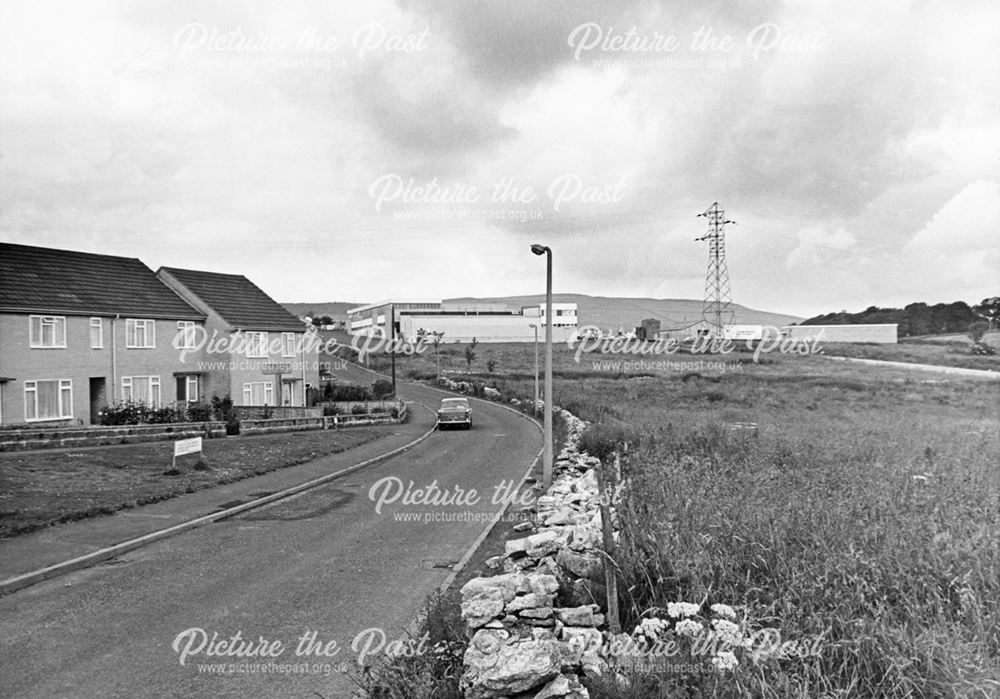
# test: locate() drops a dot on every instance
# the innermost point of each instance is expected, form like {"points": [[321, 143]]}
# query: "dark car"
{"points": [[455, 411]]}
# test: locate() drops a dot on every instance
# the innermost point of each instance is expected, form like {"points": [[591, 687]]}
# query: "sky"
{"points": [[345, 151]]}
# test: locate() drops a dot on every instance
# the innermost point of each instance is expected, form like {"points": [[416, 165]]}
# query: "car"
{"points": [[455, 411]]}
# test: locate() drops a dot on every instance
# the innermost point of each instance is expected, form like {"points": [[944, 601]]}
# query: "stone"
{"points": [[556, 687], [545, 584], [582, 565], [536, 612], [494, 562], [532, 599], [477, 611], [576, 616], [512, 669], [507, 585], [489, 640], [584, 591], [522, 526], [515, 546]]}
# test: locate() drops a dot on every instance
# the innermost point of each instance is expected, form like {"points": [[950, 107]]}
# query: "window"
{"points": [[140, 334], [47, 331], [258, 393], [142, 389], [48, 400], [287, 344], [187, 388], [256, 344], [96, 333], [185, 335]]}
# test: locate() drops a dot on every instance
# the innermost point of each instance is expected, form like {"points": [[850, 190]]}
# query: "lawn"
{"points": [[864, 516], [42, 488]]}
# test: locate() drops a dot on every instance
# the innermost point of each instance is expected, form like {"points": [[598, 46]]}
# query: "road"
{"points": [[323, 566]]}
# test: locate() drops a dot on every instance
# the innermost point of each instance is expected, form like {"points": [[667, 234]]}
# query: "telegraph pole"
{"points": [[717, 311]]}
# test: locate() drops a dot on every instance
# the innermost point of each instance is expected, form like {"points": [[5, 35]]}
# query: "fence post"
{"points": [[610, 578]]}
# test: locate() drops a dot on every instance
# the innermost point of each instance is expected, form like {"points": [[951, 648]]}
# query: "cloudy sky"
{"points": [[334, 150]]}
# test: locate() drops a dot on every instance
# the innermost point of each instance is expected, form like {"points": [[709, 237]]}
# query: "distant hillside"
{"points": [[915, 319], [609, 312], [335, 309]]}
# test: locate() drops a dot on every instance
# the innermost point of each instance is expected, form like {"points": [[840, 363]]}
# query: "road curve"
{"points": [[306, 577]]}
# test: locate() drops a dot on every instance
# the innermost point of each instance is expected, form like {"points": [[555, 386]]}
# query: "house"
{"points": [[79, 331], [255, 351]]}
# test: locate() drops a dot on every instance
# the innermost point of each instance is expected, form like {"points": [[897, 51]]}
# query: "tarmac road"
{"points": [[323, 563]]}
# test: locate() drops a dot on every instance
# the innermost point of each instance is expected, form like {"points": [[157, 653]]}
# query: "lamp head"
{"points": [[539, 249]]}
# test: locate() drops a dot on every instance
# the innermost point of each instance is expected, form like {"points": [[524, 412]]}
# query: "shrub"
{"points": [[359, 410], [330, 410], [345, 392], [382, 389], [199, 412]]}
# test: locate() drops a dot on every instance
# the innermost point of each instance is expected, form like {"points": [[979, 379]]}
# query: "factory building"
{"points": [[463, 321], [880, 333]]}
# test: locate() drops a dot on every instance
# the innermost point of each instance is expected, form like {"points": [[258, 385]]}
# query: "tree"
{"points": [[989, 310], [326, 320], [470, 354], [977, 329]]}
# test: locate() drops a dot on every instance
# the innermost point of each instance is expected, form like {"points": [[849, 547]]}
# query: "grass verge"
{"points": [[43, 488]]}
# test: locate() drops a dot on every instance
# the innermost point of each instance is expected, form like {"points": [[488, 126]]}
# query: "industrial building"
{"points": [[881, 333], [463, 322]]}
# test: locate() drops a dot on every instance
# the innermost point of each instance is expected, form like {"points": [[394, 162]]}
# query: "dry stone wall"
{"points": [[536, 627]]}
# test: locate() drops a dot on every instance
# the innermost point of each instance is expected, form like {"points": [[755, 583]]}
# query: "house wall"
{"points": [[227, 365], [79, 363]]}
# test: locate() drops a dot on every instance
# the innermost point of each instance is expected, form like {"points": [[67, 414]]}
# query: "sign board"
{"points": [[187, 446]]}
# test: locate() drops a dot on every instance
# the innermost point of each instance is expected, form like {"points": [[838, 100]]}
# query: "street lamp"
{"points": [[534, 406], [547, 454]]}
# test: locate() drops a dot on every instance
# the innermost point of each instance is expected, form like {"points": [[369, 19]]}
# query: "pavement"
{"points": [[47, 547], [951, 370]]}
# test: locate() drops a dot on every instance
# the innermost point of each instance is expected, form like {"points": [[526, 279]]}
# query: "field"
{"points": [[46, 487], [863, 516], [943, 350]]}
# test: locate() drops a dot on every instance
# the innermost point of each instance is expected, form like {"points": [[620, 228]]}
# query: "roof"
{"points": [[67, 282], [391, 302], [237, 300]]}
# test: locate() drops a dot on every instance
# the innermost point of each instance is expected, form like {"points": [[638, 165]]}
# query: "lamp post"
{"points": [[534, 406], [547, 453], [392, 344]]}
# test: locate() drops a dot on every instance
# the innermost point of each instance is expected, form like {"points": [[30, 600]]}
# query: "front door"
{"points": [[98, 398]]}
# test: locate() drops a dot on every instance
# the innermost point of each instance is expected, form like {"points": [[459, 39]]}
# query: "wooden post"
{"points": [[610, 579]]}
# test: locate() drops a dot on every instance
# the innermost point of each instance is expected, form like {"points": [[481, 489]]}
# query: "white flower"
{"points": [[688, 627], [723, 610], [651, 627], [682, 609], [727, 632], [725, 661]]}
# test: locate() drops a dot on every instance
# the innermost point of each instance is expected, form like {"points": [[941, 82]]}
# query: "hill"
{"points": [[607, 312], [335, 309], [611, 312]]}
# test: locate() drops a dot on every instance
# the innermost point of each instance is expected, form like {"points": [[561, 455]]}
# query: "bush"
{"points": [[345, 392], [133, 412], [199, 412], [359, 410], [330, 410], [382, 389], [222, 409]]}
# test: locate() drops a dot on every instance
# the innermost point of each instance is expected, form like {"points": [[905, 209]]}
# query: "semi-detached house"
{"points": [[251, 348], [79, 331]]}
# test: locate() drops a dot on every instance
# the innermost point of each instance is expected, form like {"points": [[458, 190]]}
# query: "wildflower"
{"points": [[682, 609], [727, 632], [651, 627], [725, 661], [723, 610], [688, 627]]}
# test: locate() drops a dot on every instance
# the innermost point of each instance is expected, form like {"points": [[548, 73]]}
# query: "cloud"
{"points": [[819, 246]]}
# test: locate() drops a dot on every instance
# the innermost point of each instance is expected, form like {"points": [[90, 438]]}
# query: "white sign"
{"points": [[187, 446]]}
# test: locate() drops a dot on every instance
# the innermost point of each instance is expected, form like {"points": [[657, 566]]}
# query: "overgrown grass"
{"points": [[865, 512]]}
